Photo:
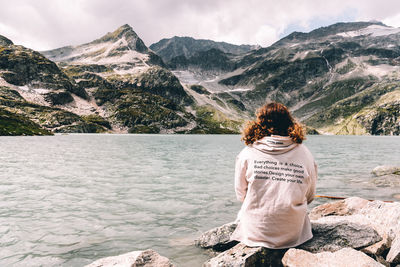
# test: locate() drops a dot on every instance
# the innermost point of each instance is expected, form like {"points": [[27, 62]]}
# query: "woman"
{"points": [[275, 178]]}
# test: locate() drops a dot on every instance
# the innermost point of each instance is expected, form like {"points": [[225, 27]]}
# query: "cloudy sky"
{"points": [[48, 24]]}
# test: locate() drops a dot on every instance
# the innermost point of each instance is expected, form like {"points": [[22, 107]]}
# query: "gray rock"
{"points": [[342, 258], [378, 248], [337, 235], [394, 253], [384, 170], [218, 238], [146, 258], [243, 256], [340, 208], [383, 217], [389, 180]]}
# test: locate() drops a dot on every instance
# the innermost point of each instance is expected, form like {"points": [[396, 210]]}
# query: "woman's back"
{"points": [[278, 182], [275, 178]]}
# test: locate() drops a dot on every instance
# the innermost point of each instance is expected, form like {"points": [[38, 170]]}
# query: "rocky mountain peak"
{"points": [[5, 41], [122, 48], [125, 32]]}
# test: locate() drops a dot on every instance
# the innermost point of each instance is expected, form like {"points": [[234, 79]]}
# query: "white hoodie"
{"points": [[275, 179]]}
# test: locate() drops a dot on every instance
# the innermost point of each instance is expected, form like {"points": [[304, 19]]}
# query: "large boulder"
{"points": [[337, 235], [354, 223], [243, 256], [146, 258], [341, 258], [381, 216], [344, 207], [218, 238], [385, 170]]}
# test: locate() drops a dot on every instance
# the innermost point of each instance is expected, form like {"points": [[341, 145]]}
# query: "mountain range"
{"points": [[340, 79]]}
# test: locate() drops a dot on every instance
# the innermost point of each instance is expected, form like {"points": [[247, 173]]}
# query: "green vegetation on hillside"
{"points": [[213, 121], [14, 124]]}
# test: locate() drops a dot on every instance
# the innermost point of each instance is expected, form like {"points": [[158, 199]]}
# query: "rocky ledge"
{"points": [[350, 232], [346, 232]]}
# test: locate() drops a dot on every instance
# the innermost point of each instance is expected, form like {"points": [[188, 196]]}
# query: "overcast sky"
{"points": [[48, 24]]}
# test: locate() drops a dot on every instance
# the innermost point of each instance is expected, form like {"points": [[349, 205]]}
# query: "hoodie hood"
{"points": [[274, 144]]}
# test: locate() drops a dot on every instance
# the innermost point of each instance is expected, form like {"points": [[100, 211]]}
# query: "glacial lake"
{"points": [[67, 200]]}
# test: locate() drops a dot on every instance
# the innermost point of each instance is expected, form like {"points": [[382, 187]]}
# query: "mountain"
{"points": [[112, 84], [122, 49], [340, 79], [188, 47], [32, 88]]}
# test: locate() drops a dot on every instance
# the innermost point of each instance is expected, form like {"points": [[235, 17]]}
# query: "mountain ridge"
{"points": [[169, 48], [310, 73], [120, 46], [339, 79], [126, 87]]}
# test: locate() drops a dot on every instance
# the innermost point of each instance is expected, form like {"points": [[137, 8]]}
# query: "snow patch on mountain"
{"points": [[372, 30]]}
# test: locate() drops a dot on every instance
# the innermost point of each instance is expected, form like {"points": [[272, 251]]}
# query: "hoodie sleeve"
{"points": [[240, 178], [312, 186]]}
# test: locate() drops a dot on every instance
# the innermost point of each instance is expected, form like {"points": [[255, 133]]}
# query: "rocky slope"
{"points": [[32, 90], [340, 79], [113, 84], [135, 91]]}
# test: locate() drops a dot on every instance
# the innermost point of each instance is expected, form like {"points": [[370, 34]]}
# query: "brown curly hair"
{"points": [[273, 119]]}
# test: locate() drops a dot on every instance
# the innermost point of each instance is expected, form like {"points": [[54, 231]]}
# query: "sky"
{"points": [[49, 24]]}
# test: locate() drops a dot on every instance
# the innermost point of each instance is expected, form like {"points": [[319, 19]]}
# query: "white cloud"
{"points": [[45, 24], [266, 35], [393, 21]]}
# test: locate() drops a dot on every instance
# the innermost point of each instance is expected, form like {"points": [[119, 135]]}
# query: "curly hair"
{"points": [[273, 119]]}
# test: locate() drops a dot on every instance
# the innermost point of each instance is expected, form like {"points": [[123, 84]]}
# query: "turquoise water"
{"points": [[71, 199]]}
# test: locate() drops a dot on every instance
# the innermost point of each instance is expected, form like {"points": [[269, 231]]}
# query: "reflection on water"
{"points": [[68, 200]]}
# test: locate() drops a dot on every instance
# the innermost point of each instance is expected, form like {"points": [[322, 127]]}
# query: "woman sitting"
{"points": [[275, 178]]}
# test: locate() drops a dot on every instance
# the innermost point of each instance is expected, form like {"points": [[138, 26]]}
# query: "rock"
{"points": [[311, 131], [60, 97], [353, 223], [340, 208], [342, 258], [218, 238], [381, 216], [337, 235], [389, 180], [146, 258], [379, 247], [243, 256], [384, 170], [394, 253]]}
